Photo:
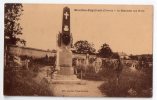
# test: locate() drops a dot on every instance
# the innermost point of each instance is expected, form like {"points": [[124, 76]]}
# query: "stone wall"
{"points": [[30, 52]]}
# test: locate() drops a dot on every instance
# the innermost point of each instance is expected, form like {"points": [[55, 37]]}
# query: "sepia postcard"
{"points": [[78, 50]]}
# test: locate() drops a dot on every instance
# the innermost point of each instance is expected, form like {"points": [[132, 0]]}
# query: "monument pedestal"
{"points": [[65, 74], [64, 62], [66, 71]]}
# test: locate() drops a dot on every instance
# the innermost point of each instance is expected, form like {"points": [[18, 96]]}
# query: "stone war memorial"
{"points": [[75, 50], [64, 54], [64, 69]]}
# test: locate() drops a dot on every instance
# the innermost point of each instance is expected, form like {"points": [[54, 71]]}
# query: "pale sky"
{"points": [[130, 32]]}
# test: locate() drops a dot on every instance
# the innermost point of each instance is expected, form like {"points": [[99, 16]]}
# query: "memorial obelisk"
{"points": [[64, 61], [64, 53]]}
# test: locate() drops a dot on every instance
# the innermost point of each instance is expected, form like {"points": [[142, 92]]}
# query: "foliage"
{"points": [[88, 72], [19, 83], [84, 47], [133, 57], [111, 67], [105, 51], [43, 61], [115, 55], [12, 27], [137, 83], [142, 57]]}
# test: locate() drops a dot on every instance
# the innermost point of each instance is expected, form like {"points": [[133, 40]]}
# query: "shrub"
{"points": [[21, 83], [88, 72], [131, 83]]}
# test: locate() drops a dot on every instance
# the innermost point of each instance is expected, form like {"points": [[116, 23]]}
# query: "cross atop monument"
{"points": [[65, 36], [66, 21], [66, 15]]}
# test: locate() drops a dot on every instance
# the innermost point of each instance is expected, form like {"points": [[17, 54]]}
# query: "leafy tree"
{"points": [[115, 55], [105, 51], [12, 27], [133, 57], [84, 46]]}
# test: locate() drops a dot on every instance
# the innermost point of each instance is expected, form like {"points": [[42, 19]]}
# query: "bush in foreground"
{"points": [[137, 83], [21, 83]]}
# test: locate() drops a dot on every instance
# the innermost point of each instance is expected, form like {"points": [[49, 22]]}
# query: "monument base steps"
{"points": [[66, 71], [65, 79]]}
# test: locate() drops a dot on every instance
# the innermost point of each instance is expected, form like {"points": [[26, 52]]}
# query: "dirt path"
{"points": [[89, 89]]}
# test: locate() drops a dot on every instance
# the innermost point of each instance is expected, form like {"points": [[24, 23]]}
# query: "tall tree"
{"points": [[84, 46], [105, 51], [12, 28]]}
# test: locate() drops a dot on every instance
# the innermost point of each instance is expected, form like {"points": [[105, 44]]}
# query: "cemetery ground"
{"points": [[132, 83], [90, 88]]}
